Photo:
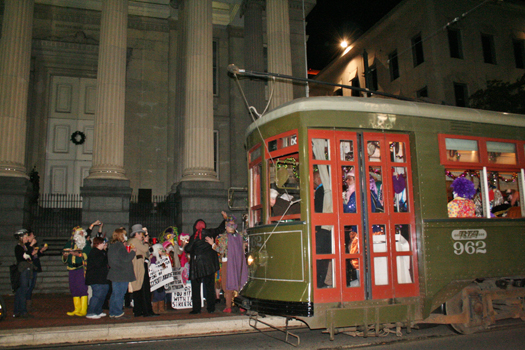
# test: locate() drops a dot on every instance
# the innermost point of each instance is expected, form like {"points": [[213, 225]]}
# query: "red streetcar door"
{"points": [[361, 196]]}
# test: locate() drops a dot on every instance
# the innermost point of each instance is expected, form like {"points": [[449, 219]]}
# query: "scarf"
{"points": [[199, 226]]}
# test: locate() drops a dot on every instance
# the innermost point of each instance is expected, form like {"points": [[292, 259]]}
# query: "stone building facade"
{"points": [[434, 50], [104, 98]]}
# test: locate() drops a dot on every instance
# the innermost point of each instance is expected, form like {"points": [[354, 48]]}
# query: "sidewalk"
{"points": [[51, 325]]}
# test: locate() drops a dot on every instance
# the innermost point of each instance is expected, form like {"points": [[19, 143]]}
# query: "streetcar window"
{"points": [[380, 271], [404, 270], [374, 151], [501, 152], [351, 239], [347, 150], [352, 272], [379, 238], [321, 186], [399, 185], [352, 247], [397, 152], [284, 192], [463, 202], [323, 239], [325, 277], [375, 182], [256, 198], [282, 142], [349, 187], [321, 149], [462, 150], [403, 238], [507, 200], [255, 169]]}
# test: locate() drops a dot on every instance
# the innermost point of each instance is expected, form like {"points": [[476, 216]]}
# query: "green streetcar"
{"points": [[348, 223]]}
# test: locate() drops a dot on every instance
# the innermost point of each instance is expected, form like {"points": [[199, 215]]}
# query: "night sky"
{"points": [[332, 20]]}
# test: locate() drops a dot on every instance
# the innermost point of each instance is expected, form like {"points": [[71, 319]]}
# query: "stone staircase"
{"points": [[54, 275]]}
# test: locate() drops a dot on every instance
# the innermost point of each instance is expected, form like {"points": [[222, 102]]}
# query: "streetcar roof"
{"points": [[388, 106]]}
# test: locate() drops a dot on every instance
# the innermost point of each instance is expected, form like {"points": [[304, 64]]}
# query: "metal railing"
{"points": [[156, 215], [54, 215]]}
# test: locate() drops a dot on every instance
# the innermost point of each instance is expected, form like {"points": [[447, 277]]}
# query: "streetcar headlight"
{"points": [[250, 260]]}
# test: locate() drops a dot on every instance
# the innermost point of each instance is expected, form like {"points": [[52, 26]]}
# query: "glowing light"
{"points": [[344, 44], [250, 260]]}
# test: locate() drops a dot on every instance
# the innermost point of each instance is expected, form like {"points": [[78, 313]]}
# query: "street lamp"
{"points": [[346, 46]]}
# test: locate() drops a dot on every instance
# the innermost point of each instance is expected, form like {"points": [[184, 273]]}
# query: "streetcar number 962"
{"points": [[470, 247]]}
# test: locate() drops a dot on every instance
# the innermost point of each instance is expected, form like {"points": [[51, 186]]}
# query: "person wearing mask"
{"points": [[120, 271], [96, 277], [75, 255], [141, 286], [35, 252], [204, 263], [234, 270], [25, 268]]}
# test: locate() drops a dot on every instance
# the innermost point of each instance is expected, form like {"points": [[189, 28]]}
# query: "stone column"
{"points": [[279, 53], [198, 109], [253, 52], [108, 143], [106, 192], [15, 58]]}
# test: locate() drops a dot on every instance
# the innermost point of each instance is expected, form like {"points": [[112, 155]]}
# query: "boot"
{"points": [[83, 306], [162, 307], [155, 306], [76, 302]]}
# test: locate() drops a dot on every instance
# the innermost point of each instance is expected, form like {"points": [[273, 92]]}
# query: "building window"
{"points": [[215, 67], [373, 78], [461, 94], [489, 52], [519, 53], [417, 50], [355, 83], [216, 152], [422, 92], [454, 43], [394, 65]]}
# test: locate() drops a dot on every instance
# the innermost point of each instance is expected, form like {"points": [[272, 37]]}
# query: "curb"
{"points": [[135, 331]]}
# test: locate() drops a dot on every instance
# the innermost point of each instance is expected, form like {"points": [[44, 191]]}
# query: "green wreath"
{"points": [[78, 137]]}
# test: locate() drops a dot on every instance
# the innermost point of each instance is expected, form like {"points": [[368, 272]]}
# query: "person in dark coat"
{"points": [[120, 271], [96, 277], [204, 262]]}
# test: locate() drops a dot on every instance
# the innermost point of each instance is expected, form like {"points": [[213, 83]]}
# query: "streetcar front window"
{"points": [[284, 191]]}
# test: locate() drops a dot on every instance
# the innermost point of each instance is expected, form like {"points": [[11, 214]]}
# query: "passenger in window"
{"points": [[283, 204], [349, 195], [462, 206], [349, 203]]}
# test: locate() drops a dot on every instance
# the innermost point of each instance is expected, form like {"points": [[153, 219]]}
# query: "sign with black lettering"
{"points": [[181, 292], [160, 273]]}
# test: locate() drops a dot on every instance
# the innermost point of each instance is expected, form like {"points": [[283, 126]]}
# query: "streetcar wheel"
{"points": [[468, 298]]}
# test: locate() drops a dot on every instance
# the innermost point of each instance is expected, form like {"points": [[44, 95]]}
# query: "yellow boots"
{"points": [[81, 305]]}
